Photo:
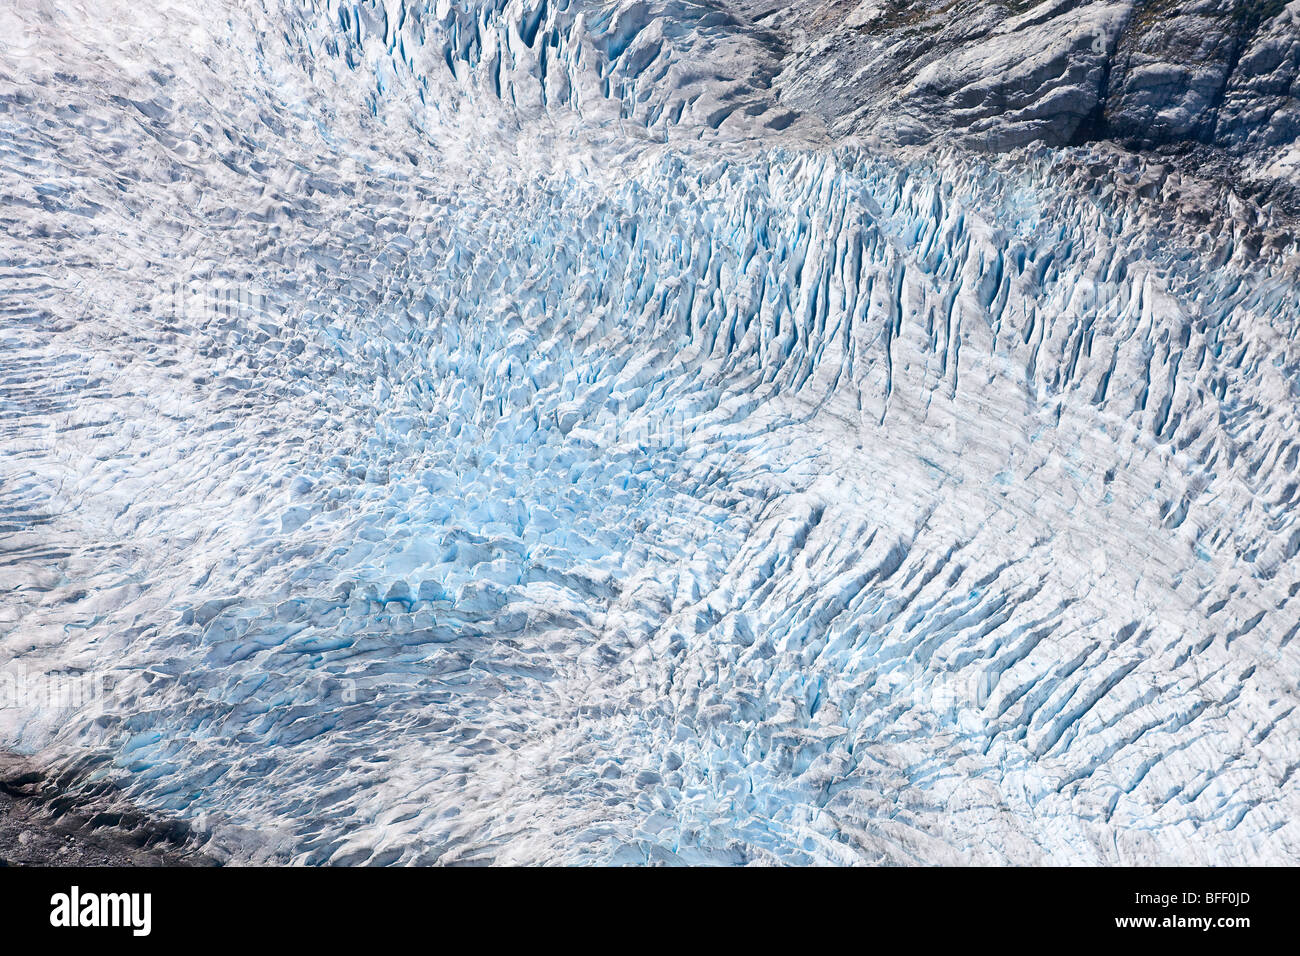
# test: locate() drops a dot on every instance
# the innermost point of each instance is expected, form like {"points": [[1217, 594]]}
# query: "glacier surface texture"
{"points": [[595, 431]]}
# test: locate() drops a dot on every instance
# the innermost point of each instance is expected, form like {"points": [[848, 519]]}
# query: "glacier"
{"points": [[511, 432]]}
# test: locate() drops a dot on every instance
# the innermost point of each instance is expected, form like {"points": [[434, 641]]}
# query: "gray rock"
{"points": [[1169, 72], [1214, 82], [40, 826], [1259, 119]]}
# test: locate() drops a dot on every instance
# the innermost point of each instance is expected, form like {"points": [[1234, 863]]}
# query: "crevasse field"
{"points": [[503, 432]]}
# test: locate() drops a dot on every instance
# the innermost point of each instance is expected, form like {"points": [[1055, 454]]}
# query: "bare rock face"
{"points": [[1212, 80], [1029, 79], [1170, 71], [1262, 103], [1259, 118]]}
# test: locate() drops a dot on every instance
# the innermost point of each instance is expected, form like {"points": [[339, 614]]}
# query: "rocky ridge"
{"points": [[1212, 85]]}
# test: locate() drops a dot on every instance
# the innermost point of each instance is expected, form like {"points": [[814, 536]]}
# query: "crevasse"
{"points": [[507, 433]]}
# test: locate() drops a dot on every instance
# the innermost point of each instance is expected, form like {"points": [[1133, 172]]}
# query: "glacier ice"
{"points": [[482, 431]]}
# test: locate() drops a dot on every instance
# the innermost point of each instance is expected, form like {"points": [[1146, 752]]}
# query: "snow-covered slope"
{"points": [[510, 433]]}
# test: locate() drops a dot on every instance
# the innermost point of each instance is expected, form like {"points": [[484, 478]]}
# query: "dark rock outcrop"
{"points": [[1212, 81], [40, 825]]}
